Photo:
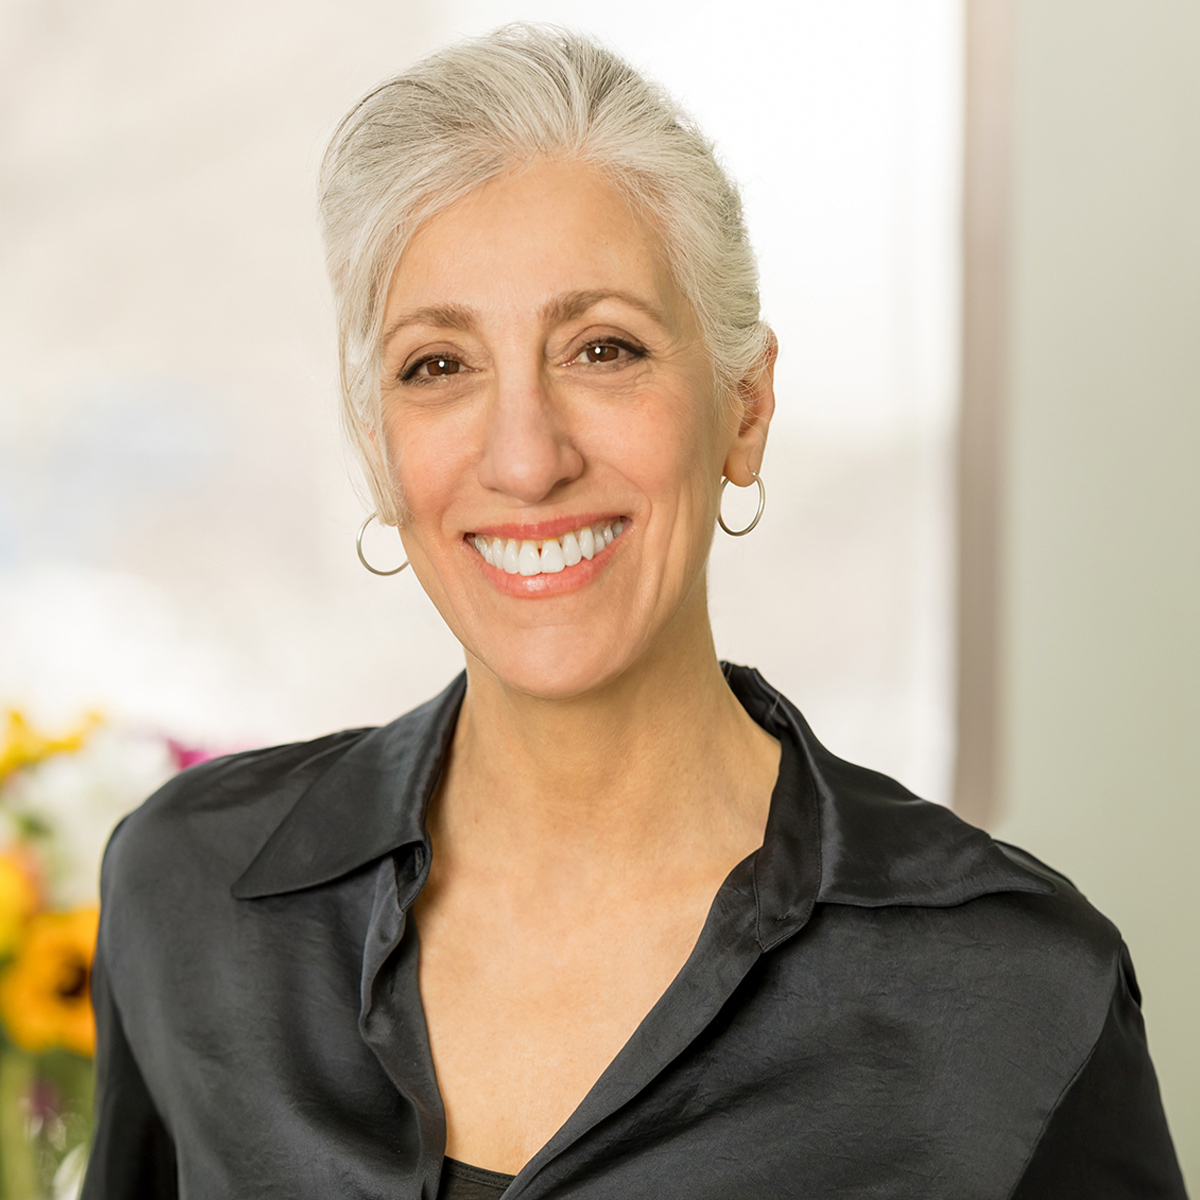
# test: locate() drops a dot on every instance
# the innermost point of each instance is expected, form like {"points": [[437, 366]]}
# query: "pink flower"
{"points": [[188, 756]]}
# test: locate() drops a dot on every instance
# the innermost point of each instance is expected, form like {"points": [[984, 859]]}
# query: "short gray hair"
{"points": [[481, 109]]}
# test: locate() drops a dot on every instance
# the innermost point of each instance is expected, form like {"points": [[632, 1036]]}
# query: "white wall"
{"points": [[176, 532], [1103, 631]]}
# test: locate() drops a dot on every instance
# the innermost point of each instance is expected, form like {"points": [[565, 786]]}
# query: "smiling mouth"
{"points": [[551, 555]]}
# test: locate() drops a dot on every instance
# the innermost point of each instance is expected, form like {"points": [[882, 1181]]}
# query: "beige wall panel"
{"points": [[1102, 596]]}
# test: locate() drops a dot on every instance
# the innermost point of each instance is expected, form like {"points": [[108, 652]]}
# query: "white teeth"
{"points": [[552, 560], [554, 555], [530, 561]]}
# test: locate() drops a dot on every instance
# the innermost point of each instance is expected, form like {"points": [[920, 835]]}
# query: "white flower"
{"points": [[79, 797]]}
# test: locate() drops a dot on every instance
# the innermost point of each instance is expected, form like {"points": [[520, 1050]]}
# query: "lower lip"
{"points": [[543, 587]]}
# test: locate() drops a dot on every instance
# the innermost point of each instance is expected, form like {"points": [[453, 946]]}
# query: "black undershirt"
{"points": [[461, 1181]]}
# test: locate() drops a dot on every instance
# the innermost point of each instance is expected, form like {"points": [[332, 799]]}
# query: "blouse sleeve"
{"points": [[1107, 1138], [133, 1156]]}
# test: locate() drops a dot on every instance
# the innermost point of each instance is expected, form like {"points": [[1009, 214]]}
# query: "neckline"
{"points": [[462, 1170]]}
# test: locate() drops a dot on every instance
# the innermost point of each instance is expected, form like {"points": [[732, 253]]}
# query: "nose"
{"points": [[527, 452]]}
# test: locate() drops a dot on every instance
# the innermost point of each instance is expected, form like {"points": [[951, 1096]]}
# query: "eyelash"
{"points": [[632, 349], [410, 374]]}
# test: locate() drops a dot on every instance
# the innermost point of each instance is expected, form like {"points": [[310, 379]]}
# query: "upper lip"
{"points": [[539, 531]]}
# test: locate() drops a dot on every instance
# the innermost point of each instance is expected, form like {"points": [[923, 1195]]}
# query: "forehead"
{"points": [[554, 228]]}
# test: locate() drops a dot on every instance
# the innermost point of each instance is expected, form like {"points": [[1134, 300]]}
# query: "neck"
{"points": [[661, 762]]}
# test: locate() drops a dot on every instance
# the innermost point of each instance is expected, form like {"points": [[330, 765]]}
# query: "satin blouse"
{"points": [[884, 1001]]}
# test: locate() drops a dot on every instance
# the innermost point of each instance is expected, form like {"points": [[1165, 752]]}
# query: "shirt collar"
{"points": [[865, 839], [369, 802], [836, 833]]}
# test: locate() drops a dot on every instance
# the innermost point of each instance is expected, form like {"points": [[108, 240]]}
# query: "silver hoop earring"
{"points": [[362, 558], [762, 504]]}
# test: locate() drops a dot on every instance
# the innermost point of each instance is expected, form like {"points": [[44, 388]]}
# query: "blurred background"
{"points": [[979, 568]]}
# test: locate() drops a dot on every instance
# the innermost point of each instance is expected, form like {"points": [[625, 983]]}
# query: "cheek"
{"points": [[427, 460], [675, 450]]}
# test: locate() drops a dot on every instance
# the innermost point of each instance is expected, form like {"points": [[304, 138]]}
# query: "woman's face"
{"points": [[550, 411]]}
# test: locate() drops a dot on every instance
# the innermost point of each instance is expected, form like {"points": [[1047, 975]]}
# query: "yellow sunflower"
{"points": [[20, 895], [45, 998]]}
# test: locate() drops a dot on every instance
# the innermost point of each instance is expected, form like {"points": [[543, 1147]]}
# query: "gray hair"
{"points": [[480, 109]]}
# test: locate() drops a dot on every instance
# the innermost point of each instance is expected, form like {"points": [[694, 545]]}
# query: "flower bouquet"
{"points": [[60, 796]]}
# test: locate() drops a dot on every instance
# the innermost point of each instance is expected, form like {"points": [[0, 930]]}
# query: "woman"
{"points": [[603, 919]]}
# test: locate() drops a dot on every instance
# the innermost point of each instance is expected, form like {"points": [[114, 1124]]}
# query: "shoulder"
{"points": [[287, 818], [873, 856], [976, 942], [211, 819], [1059, 939], [992, 903], [1018, 945], [1053, 940], [959, 901]]}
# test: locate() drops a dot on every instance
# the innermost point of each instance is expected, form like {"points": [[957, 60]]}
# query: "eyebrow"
{"points": [[575, 304], [443, 316], [562, 308]]}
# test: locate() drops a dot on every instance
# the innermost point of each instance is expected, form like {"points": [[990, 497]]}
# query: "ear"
{"points": [[753, 407]]}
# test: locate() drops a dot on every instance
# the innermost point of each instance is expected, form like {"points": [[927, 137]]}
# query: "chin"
{"points": [[551, 668]]}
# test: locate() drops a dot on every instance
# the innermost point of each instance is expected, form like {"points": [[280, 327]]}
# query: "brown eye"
{"points": [[602, 352], [432, 368]]}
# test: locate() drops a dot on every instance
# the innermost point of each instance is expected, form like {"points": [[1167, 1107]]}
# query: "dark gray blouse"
{"points": [[884, 1002], [461, 1181]]}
